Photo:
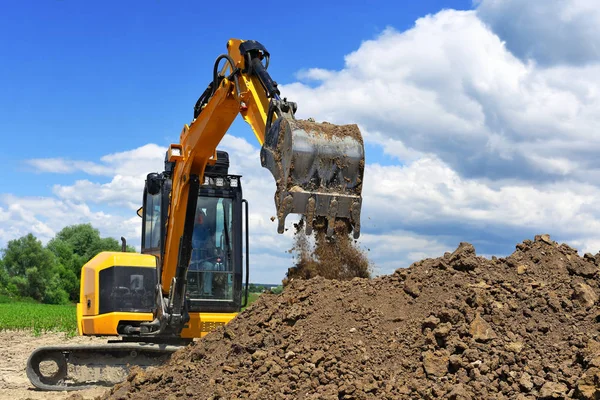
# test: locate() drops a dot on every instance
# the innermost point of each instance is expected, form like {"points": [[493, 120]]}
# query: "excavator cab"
{"points": [[215, 273], [211, 270]]}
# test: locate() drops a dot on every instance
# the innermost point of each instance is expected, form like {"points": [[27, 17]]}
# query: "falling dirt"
{"points": [[456, 327], [15, 347], [337, 257]]}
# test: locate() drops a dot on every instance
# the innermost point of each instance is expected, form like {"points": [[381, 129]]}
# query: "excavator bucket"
{"points": [[318, 168]]}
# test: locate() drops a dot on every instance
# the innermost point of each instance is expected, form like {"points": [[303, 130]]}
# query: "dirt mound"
{"points": [[337, 257], [457, 327]]}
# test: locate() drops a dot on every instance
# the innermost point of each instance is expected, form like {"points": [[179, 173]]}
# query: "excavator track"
{"points": [[66, 368]]}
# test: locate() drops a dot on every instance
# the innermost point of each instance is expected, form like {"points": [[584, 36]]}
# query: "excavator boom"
{"points": [[318, 167]]}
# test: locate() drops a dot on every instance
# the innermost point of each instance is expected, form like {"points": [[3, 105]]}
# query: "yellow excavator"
{"points": [[192, 274]]}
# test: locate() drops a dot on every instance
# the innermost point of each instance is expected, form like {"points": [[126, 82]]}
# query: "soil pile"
{"points": [[337, 257], [457, 327]]}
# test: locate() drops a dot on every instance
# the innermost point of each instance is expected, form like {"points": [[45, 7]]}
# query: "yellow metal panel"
{"points": [[89, 291], [107, 259], [106, 324], [90, 275], [79, 320], [199, 326], [203, 323]]}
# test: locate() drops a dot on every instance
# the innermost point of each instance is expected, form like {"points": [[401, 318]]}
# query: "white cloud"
{"points": [[137, 162], [548, 31], [450, 87], [121, 191], [398, 249], [45, 216], [63, 166], [140, 161], [85, 201], [429, 192], [491, 147]]}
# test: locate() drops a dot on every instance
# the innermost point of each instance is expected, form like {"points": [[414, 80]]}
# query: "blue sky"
{"points": [[479, 126], [96, 77]]}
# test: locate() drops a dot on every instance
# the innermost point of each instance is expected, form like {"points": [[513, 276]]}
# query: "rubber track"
{"points": [[120, 355]]}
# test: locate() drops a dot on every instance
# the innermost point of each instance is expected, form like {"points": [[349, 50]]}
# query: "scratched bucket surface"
{"points": [[318, 168]]}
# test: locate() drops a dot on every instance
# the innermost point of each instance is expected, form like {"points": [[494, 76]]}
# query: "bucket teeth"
{"points": [[333, 210], [356, 218], [283, 212], [310, 214], [318, 168]]}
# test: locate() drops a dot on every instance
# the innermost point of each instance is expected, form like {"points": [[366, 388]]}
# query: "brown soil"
{"points": [[337, 257], [456, 327], [15, 347], [331, 130]]}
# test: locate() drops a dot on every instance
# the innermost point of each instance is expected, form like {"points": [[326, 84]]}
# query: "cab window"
{"points": [[152, 221], [210, 274]]}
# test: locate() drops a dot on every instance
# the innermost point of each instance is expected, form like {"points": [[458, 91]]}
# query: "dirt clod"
{"points": [[337, 257], [476, 330], [481, 330]]}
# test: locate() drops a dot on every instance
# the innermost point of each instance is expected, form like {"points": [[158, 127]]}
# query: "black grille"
{"points": [[209, 326], [127, 289]]}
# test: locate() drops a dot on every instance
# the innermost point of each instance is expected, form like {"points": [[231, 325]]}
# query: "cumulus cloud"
{"points": [[449, 86], [63, 166], [491, 144], [46, 216], [427, 196], [548, 31], [134, 162], [109, 206], [127, 169]]}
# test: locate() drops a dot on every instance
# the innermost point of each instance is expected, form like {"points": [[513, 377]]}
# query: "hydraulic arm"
{"points": [[318, 168]]}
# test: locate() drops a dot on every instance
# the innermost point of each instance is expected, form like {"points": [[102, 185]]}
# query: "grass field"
{"points": [[38, 317], [252, 297], [45, 317]]}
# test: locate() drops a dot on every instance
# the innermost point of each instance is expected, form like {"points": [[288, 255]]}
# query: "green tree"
{"points": [[74, 246], [32, 270], [277, 290], [51, 274], [23, 253], [84, 240], [3, 275]]}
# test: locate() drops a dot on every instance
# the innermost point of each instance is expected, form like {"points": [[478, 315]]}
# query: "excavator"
{"points": [[192, 274]]}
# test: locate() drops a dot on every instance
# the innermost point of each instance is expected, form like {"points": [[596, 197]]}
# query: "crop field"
{"points": [[38, 317], [45, 317]]}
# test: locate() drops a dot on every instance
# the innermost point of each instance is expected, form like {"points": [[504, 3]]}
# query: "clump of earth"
{"points": [[337, 257], [455, 327]]}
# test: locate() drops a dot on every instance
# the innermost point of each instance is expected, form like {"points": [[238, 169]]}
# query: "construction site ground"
{"points": [[15, 347], [459, 327]]}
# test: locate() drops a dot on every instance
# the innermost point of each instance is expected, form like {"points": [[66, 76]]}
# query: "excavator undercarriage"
{"points": [[67, 368]]}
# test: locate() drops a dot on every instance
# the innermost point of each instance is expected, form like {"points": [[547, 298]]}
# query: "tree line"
{"points": [[51, 274]]}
